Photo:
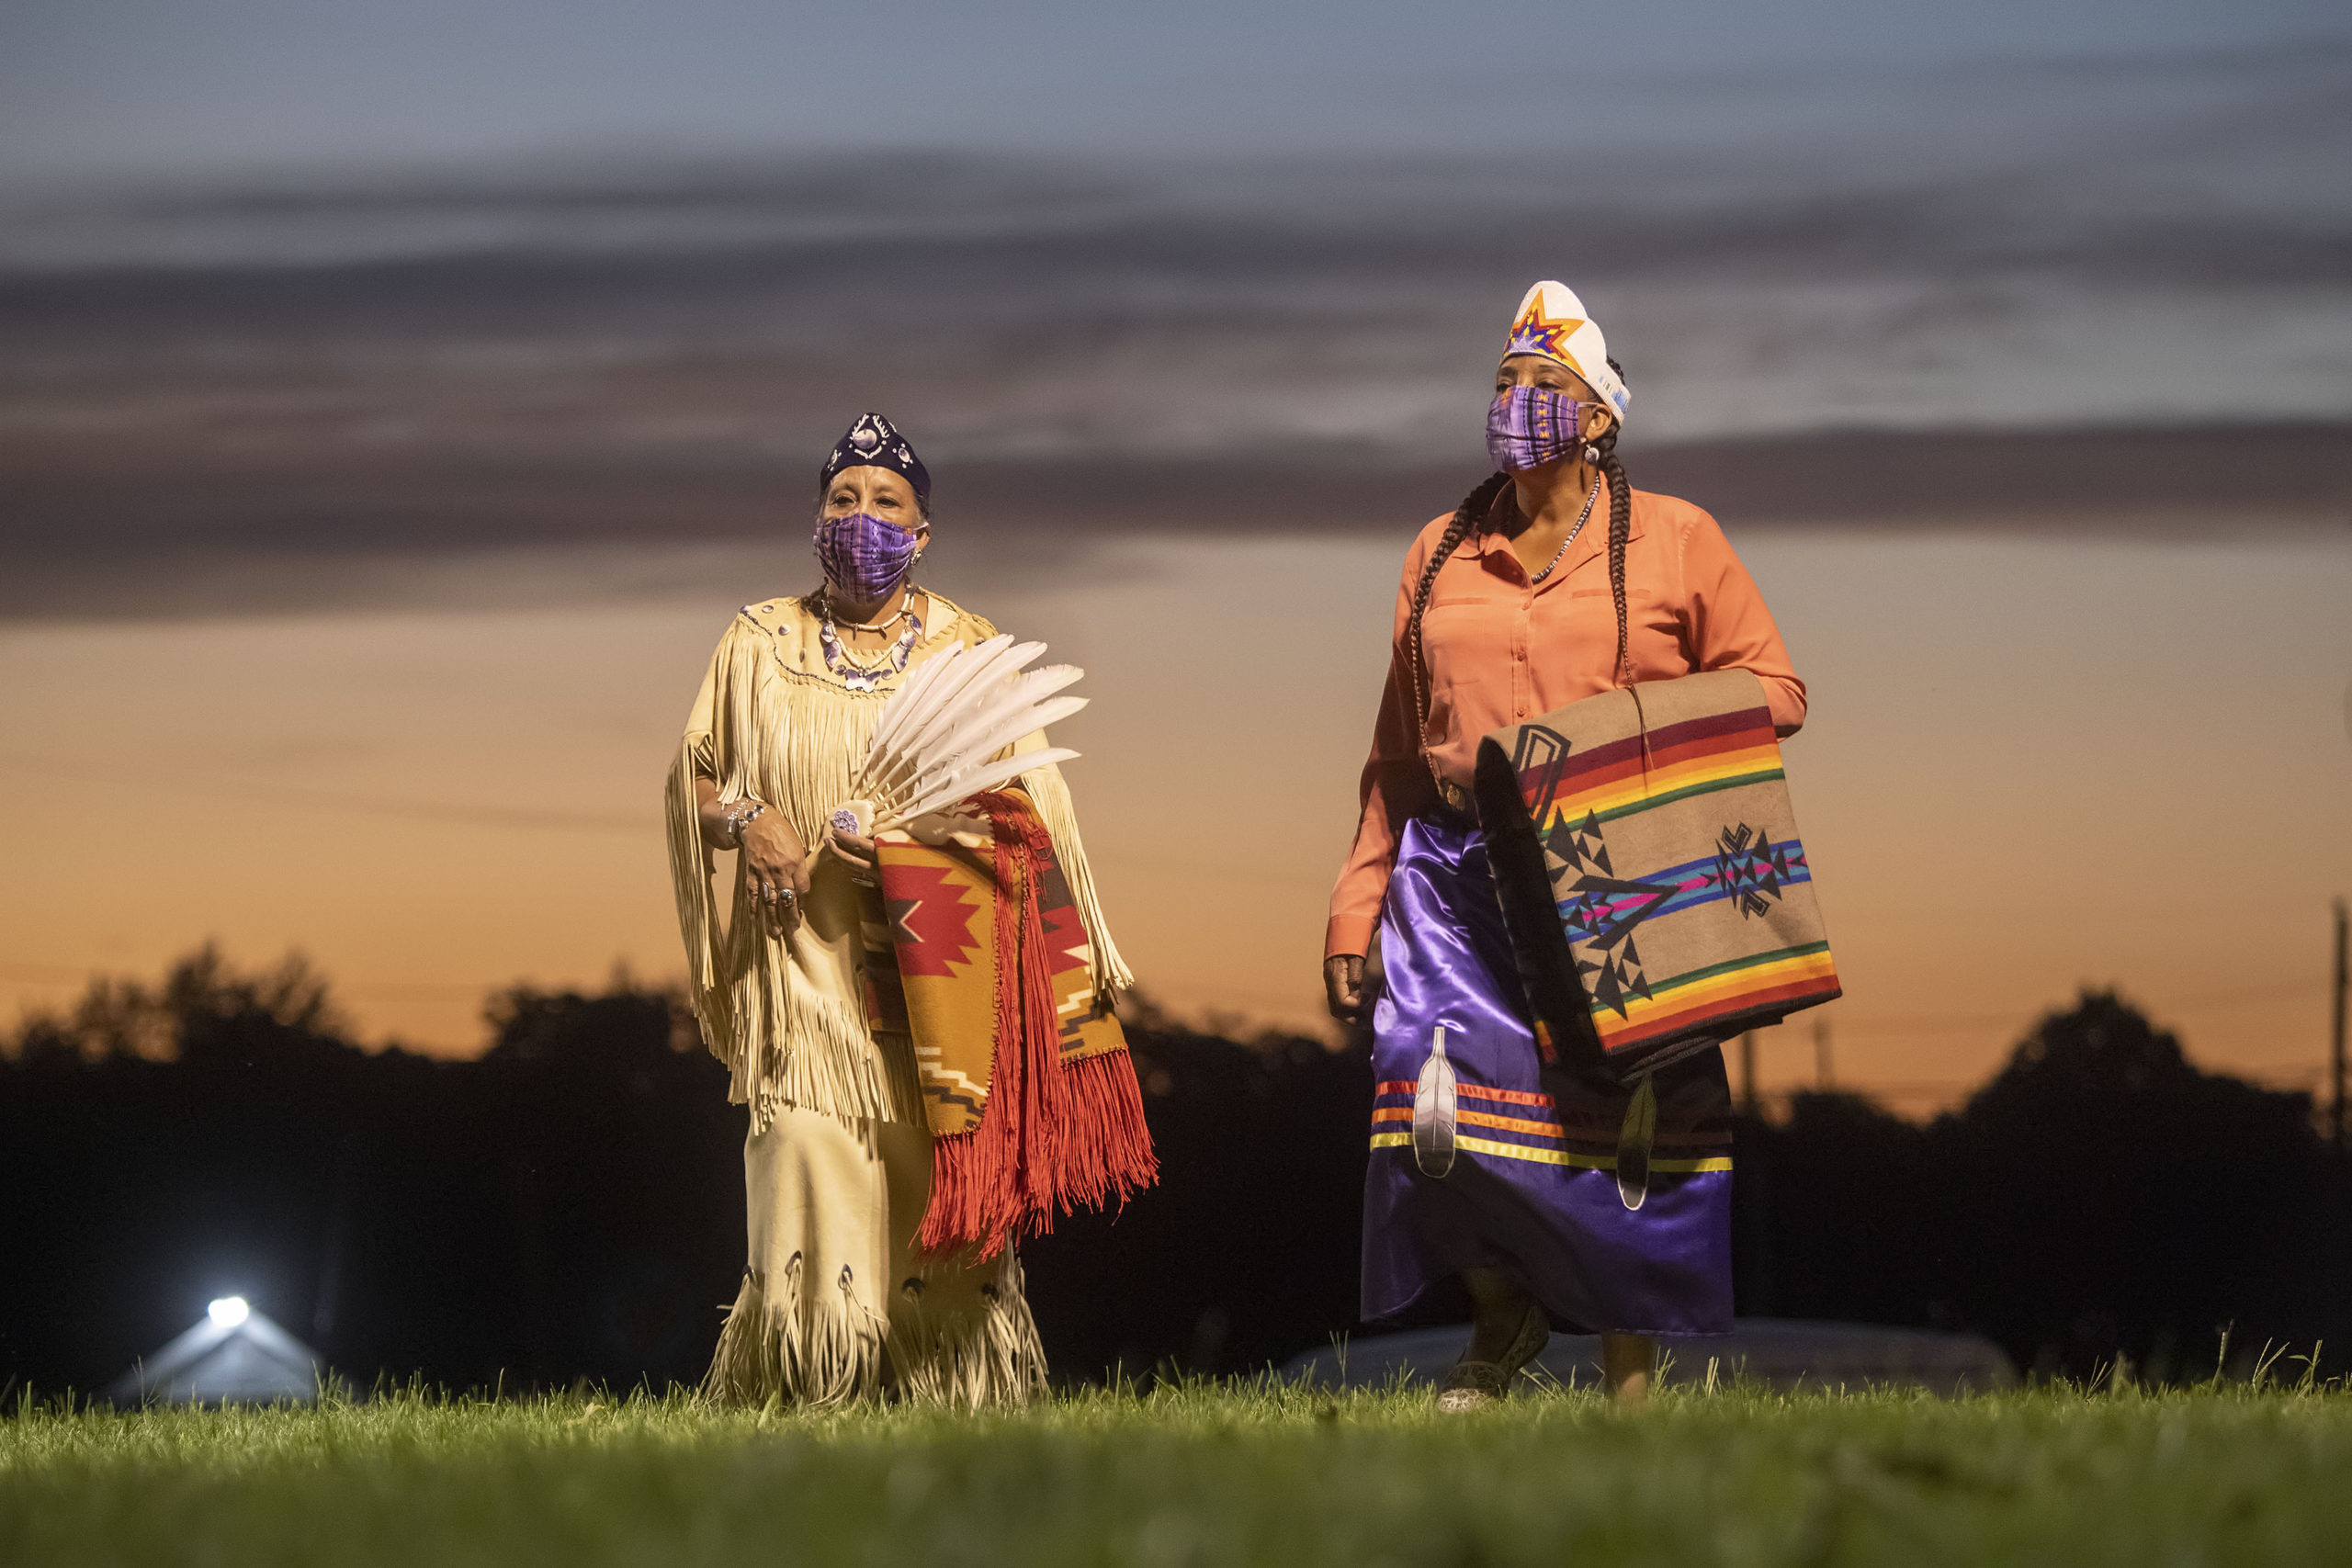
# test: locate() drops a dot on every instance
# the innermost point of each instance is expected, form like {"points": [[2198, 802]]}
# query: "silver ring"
{"points": [[785, 897]]}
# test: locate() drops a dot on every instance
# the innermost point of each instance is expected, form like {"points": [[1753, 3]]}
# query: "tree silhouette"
{"points": [[570, 1204], [2138, 1202]]}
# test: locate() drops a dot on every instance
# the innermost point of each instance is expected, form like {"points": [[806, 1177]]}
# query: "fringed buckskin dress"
{"points": [[837, 1302]]}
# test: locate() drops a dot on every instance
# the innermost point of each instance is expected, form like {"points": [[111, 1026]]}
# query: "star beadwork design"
{"points": [[1535, 332]]}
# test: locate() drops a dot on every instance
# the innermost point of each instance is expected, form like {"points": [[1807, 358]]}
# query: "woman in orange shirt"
{"points": [[1509, 608]]}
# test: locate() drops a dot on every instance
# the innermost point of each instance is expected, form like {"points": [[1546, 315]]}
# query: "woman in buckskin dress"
{"points": [[793, 995]]}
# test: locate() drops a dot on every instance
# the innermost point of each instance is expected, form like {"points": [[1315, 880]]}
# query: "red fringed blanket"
{"points": [[1026, 1080]]}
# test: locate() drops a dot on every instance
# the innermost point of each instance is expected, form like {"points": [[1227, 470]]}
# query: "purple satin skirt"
{"points": [[1526, 1194]]}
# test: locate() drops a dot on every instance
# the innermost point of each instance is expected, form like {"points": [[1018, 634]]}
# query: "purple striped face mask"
{"points": [[1530, 426], [865, 557]]}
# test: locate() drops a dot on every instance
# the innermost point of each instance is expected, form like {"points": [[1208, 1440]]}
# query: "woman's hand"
{"points": [[776, 862], [1343, 986], [860, 855], [775, 871]]}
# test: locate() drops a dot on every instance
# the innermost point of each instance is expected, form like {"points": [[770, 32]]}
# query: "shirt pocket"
{"points": [[1645, 613]]}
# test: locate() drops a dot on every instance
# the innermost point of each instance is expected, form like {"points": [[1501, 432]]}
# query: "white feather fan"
{"points": [[940, 735]]}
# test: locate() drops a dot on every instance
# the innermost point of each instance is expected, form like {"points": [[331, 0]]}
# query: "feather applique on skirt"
{"points": [[1433, 1112], [1635, 1139]]}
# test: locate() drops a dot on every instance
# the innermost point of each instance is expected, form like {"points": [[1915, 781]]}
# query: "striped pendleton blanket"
{"points": [[1647, 860], [1027, 1086]]}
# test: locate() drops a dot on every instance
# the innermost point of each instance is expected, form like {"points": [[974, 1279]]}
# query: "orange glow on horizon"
{"points": [[2030, 766]]}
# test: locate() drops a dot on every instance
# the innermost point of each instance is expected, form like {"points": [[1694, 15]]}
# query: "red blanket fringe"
{"points": [[1051, 1137]]}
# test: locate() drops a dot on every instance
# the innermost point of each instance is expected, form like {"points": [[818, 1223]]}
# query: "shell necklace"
{"points": [[860, 677]]}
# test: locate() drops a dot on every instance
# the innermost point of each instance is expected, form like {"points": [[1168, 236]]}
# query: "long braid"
{"points": [[1467, 517], [1621, 529]]}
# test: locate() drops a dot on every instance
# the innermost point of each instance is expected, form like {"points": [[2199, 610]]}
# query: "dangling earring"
{"points": [[1591, 453]]}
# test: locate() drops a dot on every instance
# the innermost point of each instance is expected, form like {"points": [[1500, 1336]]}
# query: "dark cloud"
{"points": [[654, 353], [130, 84]]}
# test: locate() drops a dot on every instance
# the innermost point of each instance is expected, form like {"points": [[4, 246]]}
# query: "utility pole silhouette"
{"points": [[1822, 1076], [2336, 1057]]}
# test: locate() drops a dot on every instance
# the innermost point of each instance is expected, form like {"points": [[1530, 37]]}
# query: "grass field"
{"points": [[1232, 1473]]}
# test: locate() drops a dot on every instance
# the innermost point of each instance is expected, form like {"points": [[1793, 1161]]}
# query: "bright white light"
{"points": [[228, 1312]]}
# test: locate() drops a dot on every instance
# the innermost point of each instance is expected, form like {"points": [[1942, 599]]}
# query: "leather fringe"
{"points": [[803, 1352], [690, 874], [835, 1355], [791, 741], [995, 1358]]}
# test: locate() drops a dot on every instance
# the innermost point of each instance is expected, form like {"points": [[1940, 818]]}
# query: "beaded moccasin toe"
{"points": [[1472, 1385]]}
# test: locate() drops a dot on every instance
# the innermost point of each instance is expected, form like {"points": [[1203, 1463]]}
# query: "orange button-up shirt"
{"points": [[1502, 650]]}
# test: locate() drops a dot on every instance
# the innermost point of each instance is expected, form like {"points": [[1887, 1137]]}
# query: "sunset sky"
{"points": [[2034, 763], [389, 426]]}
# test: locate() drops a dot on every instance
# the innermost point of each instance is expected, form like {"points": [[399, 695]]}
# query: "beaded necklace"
{"points": [[860, 677], [1573, 532]]}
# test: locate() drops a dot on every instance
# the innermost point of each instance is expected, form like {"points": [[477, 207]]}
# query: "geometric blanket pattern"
{"points": [[1646, 857]]}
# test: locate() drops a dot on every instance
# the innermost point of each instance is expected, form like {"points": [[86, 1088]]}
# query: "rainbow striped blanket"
{"points": [[1657, 898]]}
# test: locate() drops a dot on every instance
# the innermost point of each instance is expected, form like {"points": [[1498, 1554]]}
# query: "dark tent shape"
{"points": [[250, 1362]]}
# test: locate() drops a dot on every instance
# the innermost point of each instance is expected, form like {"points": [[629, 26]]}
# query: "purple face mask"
{"points": [[863, 557], [1530, 426]]}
